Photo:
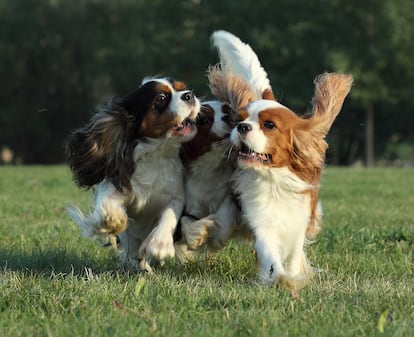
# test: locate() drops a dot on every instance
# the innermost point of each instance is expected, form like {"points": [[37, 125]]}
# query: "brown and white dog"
{"points": [[212, 213], [129, 152], [280, 159], [208, 171]]}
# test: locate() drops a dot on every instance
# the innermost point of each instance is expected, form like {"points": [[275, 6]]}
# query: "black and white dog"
{"points": [[129, 153]]}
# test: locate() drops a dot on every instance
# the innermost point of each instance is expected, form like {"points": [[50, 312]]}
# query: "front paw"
{"points": [[114, 223], [158, 245], [197, 233], [137, 265]]}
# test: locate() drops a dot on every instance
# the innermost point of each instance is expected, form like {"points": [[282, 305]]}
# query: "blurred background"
{"points": [[61, 60]]}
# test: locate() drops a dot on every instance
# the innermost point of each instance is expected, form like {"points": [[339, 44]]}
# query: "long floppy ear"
{"points": [[103, 149], [330, 92], [308, 137], [230, 88]]}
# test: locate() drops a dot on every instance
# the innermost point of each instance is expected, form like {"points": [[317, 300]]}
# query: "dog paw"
{"points": [[292, 283], [137, 265], [196, 234], [112, 241], [114, 224], [158, 246]]}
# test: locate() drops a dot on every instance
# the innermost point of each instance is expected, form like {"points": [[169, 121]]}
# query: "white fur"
{"points": [[239, 58], [146, 217], [255, 139], [219, 128], [152, 209], [255, 107], [208, 191], [207, 182], [278, 213]]}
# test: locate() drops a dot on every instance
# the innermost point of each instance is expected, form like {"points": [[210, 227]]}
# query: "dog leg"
{"points": [[269, 259], [196, 233], [315, 225], [130, 241], [227, 217], [108, 218], [214, 229], [159, 244], [109, 215], [299, 271]]}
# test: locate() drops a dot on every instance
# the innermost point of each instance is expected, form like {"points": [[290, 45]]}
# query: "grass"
{"points": [[55, 283]]}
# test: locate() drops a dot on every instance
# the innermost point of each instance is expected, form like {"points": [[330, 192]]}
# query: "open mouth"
{"points": [[248, 155], [185, 128]]}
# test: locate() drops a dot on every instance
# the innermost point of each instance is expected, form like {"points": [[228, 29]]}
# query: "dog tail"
{"points": [[239, 58]]}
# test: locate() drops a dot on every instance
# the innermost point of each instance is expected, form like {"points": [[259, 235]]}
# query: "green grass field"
{"points": [[55, 283]]}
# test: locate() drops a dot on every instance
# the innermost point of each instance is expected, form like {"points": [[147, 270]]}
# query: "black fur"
{"points": [[104, 147]]}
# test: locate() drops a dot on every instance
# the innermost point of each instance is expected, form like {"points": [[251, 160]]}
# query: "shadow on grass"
{"points": [[61, 260], [228, 264]]}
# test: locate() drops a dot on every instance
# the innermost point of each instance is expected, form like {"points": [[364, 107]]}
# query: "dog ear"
{"points": [[230, 88], [268, 94], [308, 137], [103, 149], [330, 92]]}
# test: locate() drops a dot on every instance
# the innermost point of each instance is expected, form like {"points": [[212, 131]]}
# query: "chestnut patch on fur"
{"points": [[268, 94], [178, 86], [203, 139], [279, 136]]}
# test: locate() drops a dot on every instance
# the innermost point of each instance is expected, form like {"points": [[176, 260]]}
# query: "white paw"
{"points": [[268, 274], [158, 246]]}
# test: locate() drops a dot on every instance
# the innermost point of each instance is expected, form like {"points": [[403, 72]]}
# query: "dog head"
{"points": [[161, 108], [271, 135], [214, 124]]}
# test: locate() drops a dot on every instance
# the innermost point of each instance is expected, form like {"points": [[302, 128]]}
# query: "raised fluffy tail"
{"points": [[240, 59]]}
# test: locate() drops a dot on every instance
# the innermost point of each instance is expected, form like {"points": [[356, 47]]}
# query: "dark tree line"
{"points": [[60, 60]]}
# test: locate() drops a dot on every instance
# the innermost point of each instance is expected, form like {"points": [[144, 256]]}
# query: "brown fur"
{"points": [[204, 138], [229, 88], [299, 142], [98, 150]]}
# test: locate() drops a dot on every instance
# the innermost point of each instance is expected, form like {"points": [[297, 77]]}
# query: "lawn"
{"points": [[53, 282]]}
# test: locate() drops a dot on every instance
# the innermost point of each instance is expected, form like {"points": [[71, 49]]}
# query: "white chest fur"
{"points": [[207, 183], [274, 205]]}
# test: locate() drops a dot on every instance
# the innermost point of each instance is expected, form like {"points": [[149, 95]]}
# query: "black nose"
{"points": [[244, 128], [188, 96]]}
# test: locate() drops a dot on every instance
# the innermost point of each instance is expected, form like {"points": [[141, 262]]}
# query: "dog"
{"points": [[279, 160], [208, 170], [129, 153], [280, 157], [212, 213]]}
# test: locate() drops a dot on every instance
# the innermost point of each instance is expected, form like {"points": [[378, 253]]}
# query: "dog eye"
{"points": [[269, 125], [160, 99]]}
